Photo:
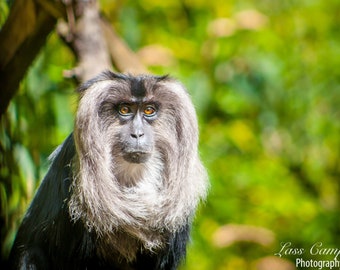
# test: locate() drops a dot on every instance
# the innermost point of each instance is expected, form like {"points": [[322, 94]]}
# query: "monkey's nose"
{"points": [[137, 134]]}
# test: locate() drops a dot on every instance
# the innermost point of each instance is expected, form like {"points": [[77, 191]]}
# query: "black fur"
{"points": [[47, 239], [137, 88]]}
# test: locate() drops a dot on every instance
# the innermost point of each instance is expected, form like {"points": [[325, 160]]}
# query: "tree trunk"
{"points": [[22, 36]]}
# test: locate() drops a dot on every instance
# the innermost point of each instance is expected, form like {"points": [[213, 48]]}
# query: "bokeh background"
{"points": [[265, 79]]}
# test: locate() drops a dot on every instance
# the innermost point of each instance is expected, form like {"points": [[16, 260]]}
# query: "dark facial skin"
{"points": [[136, 134]]}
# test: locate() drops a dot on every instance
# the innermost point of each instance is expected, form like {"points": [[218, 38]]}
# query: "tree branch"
{"points": [[86, 39], [123, 58]]}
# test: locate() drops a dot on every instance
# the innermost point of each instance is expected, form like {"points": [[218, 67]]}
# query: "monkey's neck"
{"points": [[129, 174], [134, 174]]}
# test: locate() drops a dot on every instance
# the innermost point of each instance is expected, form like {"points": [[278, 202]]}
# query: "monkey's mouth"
{"points": [[136, 157]]}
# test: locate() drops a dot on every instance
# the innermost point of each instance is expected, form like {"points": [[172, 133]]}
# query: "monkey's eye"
{"points": [[124, 109], [149, 110]]}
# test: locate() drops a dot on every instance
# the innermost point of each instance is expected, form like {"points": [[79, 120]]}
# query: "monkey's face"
{"points": [[136, 138], [138, 120]]}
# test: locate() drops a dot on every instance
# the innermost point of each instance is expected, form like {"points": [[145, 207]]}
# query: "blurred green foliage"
{"points": [[265, 79]]}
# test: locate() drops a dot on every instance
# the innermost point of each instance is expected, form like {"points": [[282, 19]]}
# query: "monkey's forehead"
{"points": [[138, 88], [135, 82]]}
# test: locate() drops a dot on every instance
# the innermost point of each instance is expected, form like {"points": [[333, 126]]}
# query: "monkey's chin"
{"points": [[137, 157]]}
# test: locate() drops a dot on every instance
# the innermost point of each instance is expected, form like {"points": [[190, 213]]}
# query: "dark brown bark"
{"points": [[22, 36]]}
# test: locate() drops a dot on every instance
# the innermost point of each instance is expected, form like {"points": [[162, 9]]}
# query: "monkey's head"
{"points": [[137, 163], [135, 118]]}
